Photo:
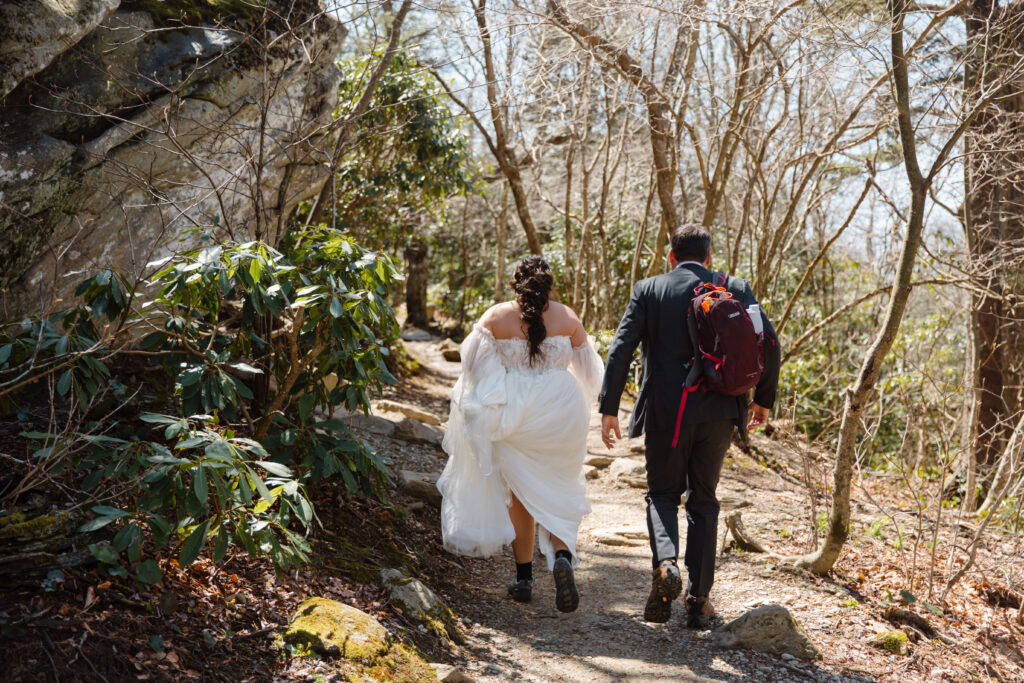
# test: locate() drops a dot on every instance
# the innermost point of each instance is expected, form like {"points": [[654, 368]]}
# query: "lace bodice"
{"points": [[555, 354]]}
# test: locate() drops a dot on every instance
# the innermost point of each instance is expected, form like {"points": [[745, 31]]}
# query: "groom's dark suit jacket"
{"points": [[656, 320]]}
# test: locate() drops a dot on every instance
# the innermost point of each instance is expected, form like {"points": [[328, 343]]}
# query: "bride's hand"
{"points": [[609, 426]]}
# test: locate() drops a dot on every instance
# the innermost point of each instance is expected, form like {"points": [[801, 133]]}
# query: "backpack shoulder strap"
{"points": [[721, 279]]}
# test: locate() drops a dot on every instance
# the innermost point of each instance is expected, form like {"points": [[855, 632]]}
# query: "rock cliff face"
{"points": [[124, 130]]}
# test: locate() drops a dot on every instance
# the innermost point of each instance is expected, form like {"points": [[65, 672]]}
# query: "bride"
{"points": [[517, 435]]}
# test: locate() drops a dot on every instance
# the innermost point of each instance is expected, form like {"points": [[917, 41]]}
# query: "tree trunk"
{"points": [[499, 264], [822, 560], [994, 196], [659, 118], [507, 161], [416, 281]]}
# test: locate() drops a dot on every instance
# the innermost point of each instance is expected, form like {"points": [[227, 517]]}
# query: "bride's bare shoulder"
{"points": [[499, 314], [562, 320]]}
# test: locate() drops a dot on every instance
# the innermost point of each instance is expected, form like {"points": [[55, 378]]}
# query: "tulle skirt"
{"points": [[533, 445]]}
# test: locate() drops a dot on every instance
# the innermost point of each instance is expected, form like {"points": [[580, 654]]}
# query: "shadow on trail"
{"points": [[606, 639]]}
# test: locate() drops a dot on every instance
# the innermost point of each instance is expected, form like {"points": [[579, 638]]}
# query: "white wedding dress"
{"points": [[522, 428]]}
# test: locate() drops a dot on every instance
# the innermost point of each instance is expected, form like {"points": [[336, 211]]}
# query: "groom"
{"points": [[656, 320]]}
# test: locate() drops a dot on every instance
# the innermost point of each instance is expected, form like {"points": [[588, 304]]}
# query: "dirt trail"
{"points": [[606, 639]]}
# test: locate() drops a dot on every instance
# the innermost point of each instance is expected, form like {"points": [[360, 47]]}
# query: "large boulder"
{"points": [[112, 153], [770, 628], [334, 629], [38, 31]]}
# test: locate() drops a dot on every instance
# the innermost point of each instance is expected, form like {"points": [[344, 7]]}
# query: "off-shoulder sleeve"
{"points": [[474, 516], [587, 368], [476, 401]]}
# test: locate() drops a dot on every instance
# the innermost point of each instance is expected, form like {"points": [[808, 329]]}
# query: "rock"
{"points": [[450, 351], [415, 334], [85, 146], [416, 601], [620, 537], [43, 31], [407, 410], [729, 501], [890, 641], [423, 485], [446, 673], [638, 446], [590, 472], [628, 472], [370, 423], [334, 629], [598, 461], [766, 629], [417, 432]]}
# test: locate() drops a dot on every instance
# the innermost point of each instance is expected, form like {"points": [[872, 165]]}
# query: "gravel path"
{"points": [[606, 639]]}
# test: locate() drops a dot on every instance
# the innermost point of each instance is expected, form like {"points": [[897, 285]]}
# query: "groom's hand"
{"points": [[609, 426], [758, 416]]}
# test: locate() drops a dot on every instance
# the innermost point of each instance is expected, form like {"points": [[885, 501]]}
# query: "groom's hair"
{"points": [[691, 242]]}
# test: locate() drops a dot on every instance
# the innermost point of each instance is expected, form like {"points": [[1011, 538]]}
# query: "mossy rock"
{"points": [[19, 527], [890, 641], [334, 629], [402, 664]]}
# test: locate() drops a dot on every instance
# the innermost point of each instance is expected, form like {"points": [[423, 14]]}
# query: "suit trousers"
{"points": [[692, 468]]}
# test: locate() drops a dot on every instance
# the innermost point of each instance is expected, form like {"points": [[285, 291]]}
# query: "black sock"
{"points": [[563, 553], [524, 571]]}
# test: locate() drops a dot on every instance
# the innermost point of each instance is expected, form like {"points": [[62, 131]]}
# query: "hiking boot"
{"points": [[666, 587], [521, 590], [567, 598], [699, 612]]}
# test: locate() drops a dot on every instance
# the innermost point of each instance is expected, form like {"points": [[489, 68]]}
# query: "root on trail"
{"points": [[744, 541]]}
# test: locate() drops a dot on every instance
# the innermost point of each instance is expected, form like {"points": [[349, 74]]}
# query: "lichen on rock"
{"points": [[415, 600], [770, 628], [334, 629], [890, 641]]}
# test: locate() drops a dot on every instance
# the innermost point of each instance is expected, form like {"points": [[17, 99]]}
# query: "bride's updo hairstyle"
{"points": [[532, 285]]}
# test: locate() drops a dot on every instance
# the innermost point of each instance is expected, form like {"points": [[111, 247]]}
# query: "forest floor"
{"points": [[223, 623]]}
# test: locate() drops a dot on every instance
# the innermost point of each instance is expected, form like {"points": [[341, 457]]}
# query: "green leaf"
{"points": [[156, 418], [199, 483], [64, 384], [193, 545], [104, 552], [107, 511], [5, 352], [276, 469], [908, 596], [220, 549], [148, 571], [336, 308], [94, 524], [245, 367], [932, 608]]}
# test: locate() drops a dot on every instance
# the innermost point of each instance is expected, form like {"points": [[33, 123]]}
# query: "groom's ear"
{"points": [[707, 259]]}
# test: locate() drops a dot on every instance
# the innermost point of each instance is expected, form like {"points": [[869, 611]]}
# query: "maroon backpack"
{"points": [[728, 352]]}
